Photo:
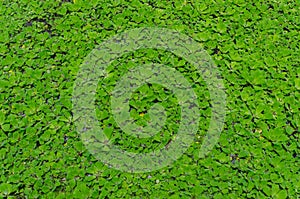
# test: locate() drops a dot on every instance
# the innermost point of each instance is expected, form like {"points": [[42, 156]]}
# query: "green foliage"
{"points": [[254, 44]]}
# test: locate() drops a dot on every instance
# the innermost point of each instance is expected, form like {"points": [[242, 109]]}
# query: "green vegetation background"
{"points": [[256, 46]]}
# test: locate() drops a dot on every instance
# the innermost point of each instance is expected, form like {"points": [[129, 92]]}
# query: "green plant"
{"points": [[254, 44]]}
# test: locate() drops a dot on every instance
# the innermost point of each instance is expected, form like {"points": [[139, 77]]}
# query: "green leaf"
{"points": [[5, 189], [2, 117], [81, 191], [297, 83], [282, 194]]}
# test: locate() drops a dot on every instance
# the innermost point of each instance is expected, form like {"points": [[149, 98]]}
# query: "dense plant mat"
{"points": [[254, 44]]}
